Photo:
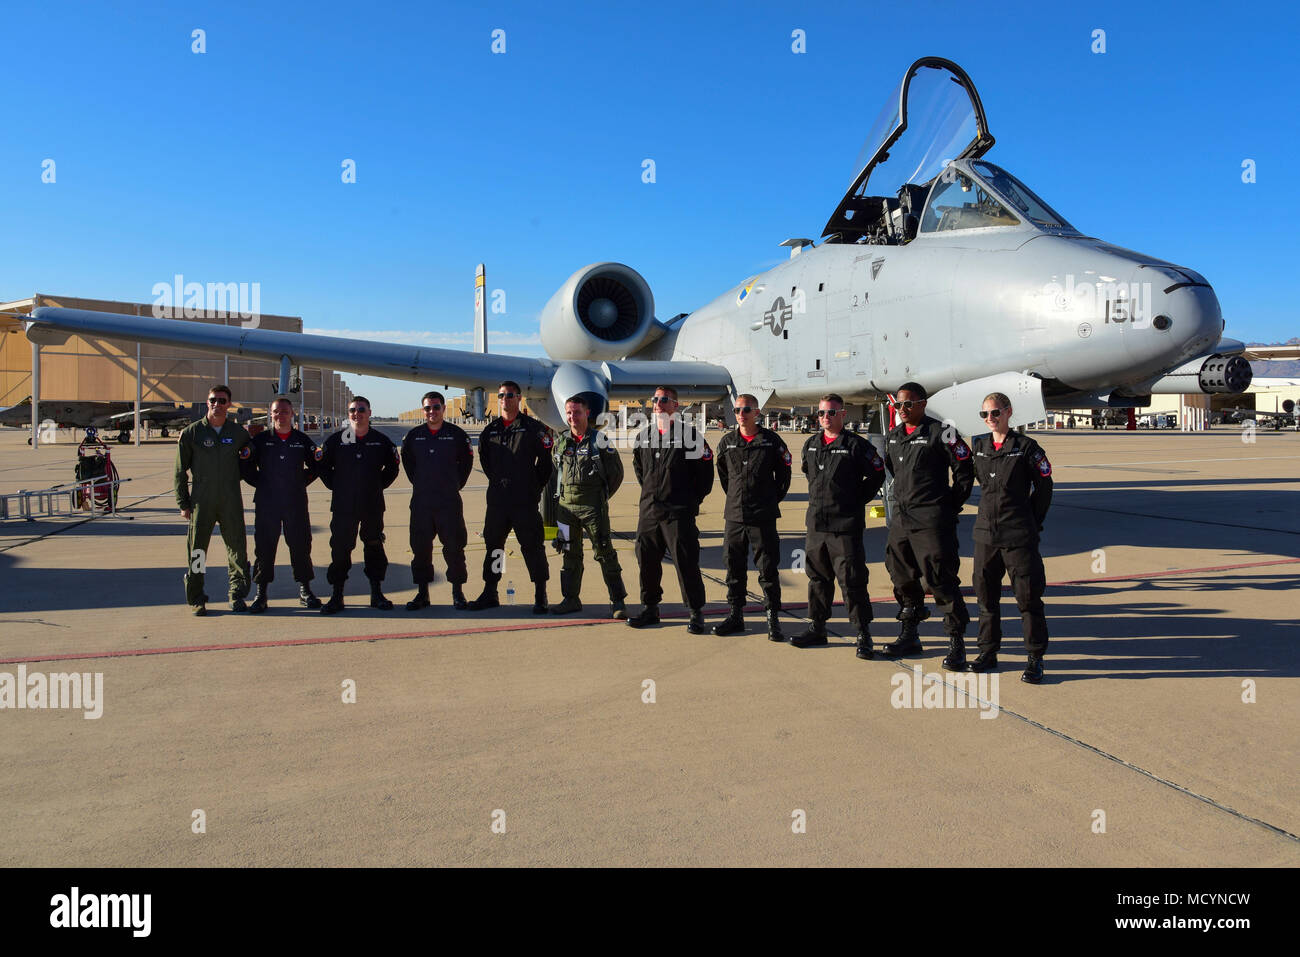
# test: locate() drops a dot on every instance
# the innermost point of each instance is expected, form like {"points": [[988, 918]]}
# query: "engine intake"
{"points": [[603, 311]]}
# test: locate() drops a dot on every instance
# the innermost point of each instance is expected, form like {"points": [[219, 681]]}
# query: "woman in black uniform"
{"points": [[1015, 492]]}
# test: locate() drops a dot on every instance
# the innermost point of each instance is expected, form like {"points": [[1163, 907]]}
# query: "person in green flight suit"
{"points": [[210, 450], [589, 472]]}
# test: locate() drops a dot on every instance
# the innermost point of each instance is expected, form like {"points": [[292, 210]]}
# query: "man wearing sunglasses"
{"points": [[281, 464], [844, 473], [922, 543], [210, 450], [514, 451], [357, 464], [1015, 493], [589, 472], [674, 465], [438, 457], [754, 472]]}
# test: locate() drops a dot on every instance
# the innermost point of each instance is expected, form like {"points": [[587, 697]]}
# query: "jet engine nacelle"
{"points": [[1216, 375], [603, 311]]}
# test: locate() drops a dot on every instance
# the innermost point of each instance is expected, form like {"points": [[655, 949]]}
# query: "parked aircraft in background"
{"points": [[101, 415]]}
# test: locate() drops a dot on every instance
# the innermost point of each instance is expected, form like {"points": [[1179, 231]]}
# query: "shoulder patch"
{"points": [[708, 453], [246, 452], [547, 441], [785, 456], [317, 453], [1044, 466], [877, 462], [397, 453], [959, 449]]}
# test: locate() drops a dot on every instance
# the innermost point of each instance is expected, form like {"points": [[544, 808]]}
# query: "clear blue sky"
{"points": [[225, 166]]}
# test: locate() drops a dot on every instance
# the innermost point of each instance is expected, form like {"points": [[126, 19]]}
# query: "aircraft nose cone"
{"points": [[1176, 324]]}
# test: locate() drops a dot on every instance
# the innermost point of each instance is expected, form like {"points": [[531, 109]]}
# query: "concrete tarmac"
{"points": [[1165, 733]]}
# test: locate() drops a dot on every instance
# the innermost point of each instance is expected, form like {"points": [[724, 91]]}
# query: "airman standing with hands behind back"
{"points": [[210, 450], [1015, 493], [589, 472], [754, 472], [438, 457]]}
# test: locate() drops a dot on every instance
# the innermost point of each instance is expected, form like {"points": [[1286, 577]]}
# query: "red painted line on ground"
{"points": [[540, 625]]}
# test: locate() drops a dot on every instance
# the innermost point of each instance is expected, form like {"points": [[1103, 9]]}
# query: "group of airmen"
{"points": [[933, 472]]}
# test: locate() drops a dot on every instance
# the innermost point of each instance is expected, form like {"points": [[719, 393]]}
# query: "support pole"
{"points": [[36, 395], [139, 395], [283, 388]]}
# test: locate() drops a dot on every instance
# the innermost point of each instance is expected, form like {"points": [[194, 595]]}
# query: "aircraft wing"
{"points": [[541, 379]]}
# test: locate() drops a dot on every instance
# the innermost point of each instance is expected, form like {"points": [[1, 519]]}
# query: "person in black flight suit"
{"points": [[1015, 493], [674, 465], [438, 458], [515, 453], [844, 473], [357, 464], [922, 540], [754, 472], [281, 463]]}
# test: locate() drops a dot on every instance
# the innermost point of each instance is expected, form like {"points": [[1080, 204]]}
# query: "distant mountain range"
{"points": [[1277, 368]]}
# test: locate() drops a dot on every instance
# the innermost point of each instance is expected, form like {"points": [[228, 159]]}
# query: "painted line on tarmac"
{"points": [[543, 625]]}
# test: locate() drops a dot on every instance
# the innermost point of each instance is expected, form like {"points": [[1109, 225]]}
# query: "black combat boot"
{"points": [[421, 599], [909, 642], [486, 600], [734, 624], [649, 616], [814, 634], [986, 661], [1033, 670], [956, 659], [377, 599], [774, 632], [258, 605], [540, 604], [618, 609], [696, 625], [305, 596], [335, 604], [866, 650], [458, 598]]}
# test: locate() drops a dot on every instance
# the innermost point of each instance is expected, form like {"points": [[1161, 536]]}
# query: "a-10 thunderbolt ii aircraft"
{"points": [[75, 414], [937, 266]]}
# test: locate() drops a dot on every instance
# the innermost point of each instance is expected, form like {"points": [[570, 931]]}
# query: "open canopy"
{"points": [[933, 116]]}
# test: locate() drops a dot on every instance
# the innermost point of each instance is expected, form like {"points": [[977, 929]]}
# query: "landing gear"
{"points": [[124, 437], [164, 432]]}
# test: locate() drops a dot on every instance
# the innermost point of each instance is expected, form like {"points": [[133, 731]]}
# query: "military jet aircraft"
{"points": [[930, 249], [99, 415]]}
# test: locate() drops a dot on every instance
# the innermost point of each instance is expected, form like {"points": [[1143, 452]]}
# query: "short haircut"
{"points": [[512, 385], [1000, 398], [281, 398], [915, 388], [223, 388], [433, 395], [666, 388], [578, 400], [832, 397], [360, 398], [751, 398]]}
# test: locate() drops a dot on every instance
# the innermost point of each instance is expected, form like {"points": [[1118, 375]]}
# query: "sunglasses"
{"points": [[357, 411], [827, 413], [432, 408], [661, 400], [907, 404], [217, 400], [991, 413], [744, 409], [507, 395]]}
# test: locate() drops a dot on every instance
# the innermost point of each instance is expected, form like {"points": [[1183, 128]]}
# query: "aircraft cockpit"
{"points": [[920, 171]]}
